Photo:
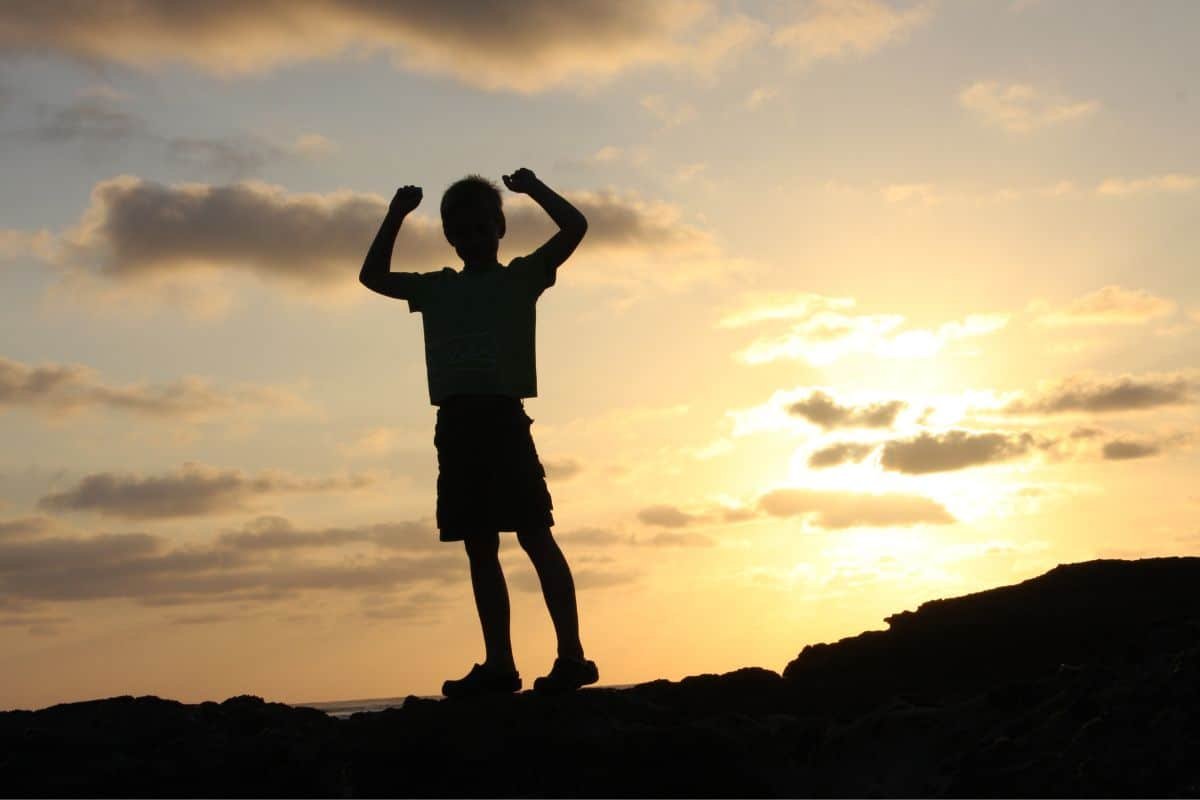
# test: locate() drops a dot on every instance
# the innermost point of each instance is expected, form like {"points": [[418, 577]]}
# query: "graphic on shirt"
{"points": [[475, 351]]}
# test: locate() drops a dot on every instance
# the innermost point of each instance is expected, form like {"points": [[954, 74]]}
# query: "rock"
{"points": [[1083, 681]]}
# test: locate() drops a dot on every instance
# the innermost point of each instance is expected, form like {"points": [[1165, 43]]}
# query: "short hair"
{"points": [[468, 189]]}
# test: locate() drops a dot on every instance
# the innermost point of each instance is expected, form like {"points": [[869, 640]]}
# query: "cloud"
{"points": [[270, 532], [679, 539], [1083, 394], [561, 469], [822, 410], [590, 537], [64, 552], [524, 45], [205, 619], [952, 450], [37, 623], [24, 244], [25, 527], [767, 306], [837, 510], [98, 117], [235, 156], [134, 229], [312, 145], [1021, 108], [419, 606], [737, 513], [1171, 183], [59, 390], [925, 193], [837, 29], [243, 155], [667, 516], [668, 113], [141, 233], [759, 97], [140, 567], [1126, 449], [823, 331], [839, 453], [95, 117], [1109, 305], [191, 491]]}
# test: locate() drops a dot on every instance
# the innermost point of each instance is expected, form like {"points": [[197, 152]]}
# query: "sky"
{"points": [[880, 302]]}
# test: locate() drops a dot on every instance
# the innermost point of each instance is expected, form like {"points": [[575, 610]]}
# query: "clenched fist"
{"points": [[406, 199], [521, 181]]}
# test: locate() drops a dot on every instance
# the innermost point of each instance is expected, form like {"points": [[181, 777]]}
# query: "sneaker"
{"points": [[567, 675], [482, 680]]}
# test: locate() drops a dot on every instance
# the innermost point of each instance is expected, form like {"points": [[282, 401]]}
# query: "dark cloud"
{"points": [[667, 516], [63, 389], [1127, 393], [271, 532], [839, 453], [24, 527], [232, 156], [99, 118], [205, 619], [598, 537], [40, 620], [137, 230], [738, 514], [561, 469], [952, 450], [834, 510], [1126, 449], [102, 549], [140, 567], [821, 409], [524, 45], [96, 118], [193, 490]]}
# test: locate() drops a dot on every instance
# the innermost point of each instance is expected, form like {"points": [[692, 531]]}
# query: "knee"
{"points": [[535, 541], [482, 546]]}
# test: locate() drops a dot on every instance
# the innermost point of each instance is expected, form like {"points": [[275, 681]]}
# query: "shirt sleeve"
{"points": [[422, 287], [534, 273]]}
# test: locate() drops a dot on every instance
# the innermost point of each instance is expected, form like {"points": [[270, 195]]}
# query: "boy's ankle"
{"points": [[507, 668]]}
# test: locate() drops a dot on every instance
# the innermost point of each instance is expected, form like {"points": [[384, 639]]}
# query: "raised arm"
{"points": [[376, 272], [572, 225]]}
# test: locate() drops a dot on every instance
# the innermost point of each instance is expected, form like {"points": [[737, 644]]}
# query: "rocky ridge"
{"points": [[1084, 681]]}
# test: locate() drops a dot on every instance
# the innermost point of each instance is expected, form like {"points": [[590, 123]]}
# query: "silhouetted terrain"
{"points": [[1082, 681]]}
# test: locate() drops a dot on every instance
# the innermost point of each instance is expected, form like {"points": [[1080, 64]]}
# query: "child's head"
{"points": [[473, 218]]}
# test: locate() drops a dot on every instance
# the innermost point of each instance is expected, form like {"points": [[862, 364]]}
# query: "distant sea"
{"points": [[344, 708]]}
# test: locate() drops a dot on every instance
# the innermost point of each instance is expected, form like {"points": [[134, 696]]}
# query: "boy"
{"points": [[479, 358]]}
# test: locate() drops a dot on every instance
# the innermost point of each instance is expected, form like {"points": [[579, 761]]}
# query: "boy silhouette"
{"points": [[479, 358]]}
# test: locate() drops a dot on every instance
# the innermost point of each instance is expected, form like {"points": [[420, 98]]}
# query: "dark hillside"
{"points": [[1080, 682]]}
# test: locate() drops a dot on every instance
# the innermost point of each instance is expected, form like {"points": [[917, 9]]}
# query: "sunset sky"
{"points": [[880, 302]]}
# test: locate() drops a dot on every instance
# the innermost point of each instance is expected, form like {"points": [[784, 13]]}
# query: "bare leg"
{"points": [[491, 599], [558, 588]]}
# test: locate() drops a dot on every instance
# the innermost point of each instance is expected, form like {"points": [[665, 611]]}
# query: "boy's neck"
{"points": [[480, 266]]}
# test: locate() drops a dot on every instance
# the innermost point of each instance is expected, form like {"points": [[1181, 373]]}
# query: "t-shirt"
{"points": [[479, 327]]}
